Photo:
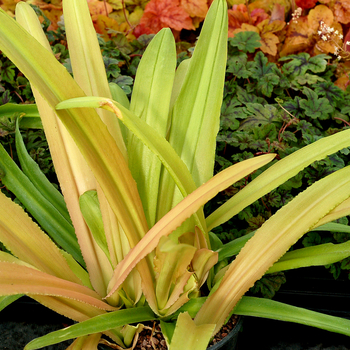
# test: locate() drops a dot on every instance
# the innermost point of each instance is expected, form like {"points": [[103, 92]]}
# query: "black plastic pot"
{"points": [[230, 341], [315, 288]]}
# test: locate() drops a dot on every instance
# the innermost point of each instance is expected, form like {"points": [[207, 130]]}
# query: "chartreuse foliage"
{"points": [[129, 251]]}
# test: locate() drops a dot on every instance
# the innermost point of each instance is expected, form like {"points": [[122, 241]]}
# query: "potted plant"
{"points": [[128, 241]]}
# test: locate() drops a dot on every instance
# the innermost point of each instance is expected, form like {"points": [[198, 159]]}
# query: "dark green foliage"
{"points": [[258, 115], [280, 108], [237, 65], [245, 41], [268, 285], [14, 87], [7, 71], [299, 64], [314, 106]]}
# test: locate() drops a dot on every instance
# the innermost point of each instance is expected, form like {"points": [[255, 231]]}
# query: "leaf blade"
{"points": [[97, 324], [181, 212], [259, 307], [275, 236]]}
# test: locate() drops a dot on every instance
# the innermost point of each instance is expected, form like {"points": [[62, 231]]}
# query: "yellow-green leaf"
{"points": [[271, 241]]}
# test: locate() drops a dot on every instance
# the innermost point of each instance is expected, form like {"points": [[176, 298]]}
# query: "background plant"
{"points": [[278, 107]]}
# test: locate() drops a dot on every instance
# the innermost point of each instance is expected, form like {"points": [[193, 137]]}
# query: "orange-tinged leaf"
{"points": [[9, 5], [276, 236], [172, 220], [343, 82], [54, 16], [298, 37], [249, 28], [278, 13], [170, 262], [342, 11], [18, 279], [268, 6], [245, 28], [329, 46], [97, 8], [237, 16], [271, 27], [269, 42], [324, 47], [160, 14], [305, 4], [73, 309], [103, 24], [338, 212], [195, 8], [29, 243], [202, 262], [318, 14], [258, 15], [347, 40], [54, 5], [86, 342]]}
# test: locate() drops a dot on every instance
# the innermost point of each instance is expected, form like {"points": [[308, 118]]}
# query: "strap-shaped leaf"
{"points": [[55, 84], [322, 254], [90, 209], [31, 245], [6, 300], [30, 118], [196, 102], [120, 96], [271, 241], [15, 279], [171, 262], [340, 211], [87, 342], [197, 337], [181, 212], [233, 248], [150, 102], [31, 169], [196, 110], [59, 229], [333, 226], [90, 74], [97, 324], [87, 64], [277, 174], [155, 142], [159, 146], [90, 134], [73, 309], [259, 307], [73, 173]]}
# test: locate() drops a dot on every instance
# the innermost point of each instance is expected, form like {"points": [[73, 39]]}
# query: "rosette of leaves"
{"points": [[128, 241]]}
